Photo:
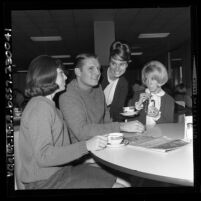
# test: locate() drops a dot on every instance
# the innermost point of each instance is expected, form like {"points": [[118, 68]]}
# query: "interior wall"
{"points": [[104, 35], [184, 52], [19, 81]]}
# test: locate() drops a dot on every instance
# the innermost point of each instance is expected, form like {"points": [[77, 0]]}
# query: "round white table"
{"points": [[174, 167]]}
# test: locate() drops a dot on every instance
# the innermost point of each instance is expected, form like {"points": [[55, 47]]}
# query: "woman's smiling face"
{"points": [[153, 85], [117, 67]]}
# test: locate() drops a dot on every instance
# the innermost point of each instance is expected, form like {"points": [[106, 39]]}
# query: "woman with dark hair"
{"points": [[113, 82], [44, 145]]}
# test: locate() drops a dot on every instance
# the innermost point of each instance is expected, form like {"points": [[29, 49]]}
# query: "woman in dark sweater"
{"points": [[113, 82]]}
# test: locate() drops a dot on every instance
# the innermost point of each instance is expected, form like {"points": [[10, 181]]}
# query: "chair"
{"points": [[179, 116], [18, 184], [182, 103]]}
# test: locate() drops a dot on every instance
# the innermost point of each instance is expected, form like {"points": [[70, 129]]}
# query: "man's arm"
{"points": [[74, 113]]}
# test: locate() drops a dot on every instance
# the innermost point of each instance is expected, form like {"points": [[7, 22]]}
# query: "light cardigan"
{"points": [[167, 106], [85, 112], [44, 141]]}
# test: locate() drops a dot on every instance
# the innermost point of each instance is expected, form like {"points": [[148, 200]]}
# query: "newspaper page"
{"points": [[162, 144]]}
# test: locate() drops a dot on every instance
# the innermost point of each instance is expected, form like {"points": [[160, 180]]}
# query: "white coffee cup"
{"points": [[115, 138], [128, 109]]}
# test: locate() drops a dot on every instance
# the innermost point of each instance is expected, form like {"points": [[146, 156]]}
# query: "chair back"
{"points": [[180, 118], [18, 184], [182, 103]]}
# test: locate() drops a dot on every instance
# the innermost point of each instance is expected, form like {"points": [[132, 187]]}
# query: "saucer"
{"points": [[115, 145], [129, 113]]}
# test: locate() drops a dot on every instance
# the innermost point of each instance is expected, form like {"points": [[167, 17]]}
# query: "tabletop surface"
{"points": [[174, 166]]}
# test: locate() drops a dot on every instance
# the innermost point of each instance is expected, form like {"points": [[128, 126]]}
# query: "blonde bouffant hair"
{"points": [[155, 70]]}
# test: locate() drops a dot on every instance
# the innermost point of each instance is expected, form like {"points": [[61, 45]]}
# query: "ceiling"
{"points": [[76, 29]]}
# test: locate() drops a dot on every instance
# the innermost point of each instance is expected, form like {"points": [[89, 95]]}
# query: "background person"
{"points": [[188, 102], [113, 82], [183, 100], [18, 98], [136, 87], [180, 92], [188, 98], [179, 96], [44, 145]]}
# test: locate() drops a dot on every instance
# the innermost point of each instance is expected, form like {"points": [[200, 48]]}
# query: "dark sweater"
{"points": [[120, 96], [167, 109]]}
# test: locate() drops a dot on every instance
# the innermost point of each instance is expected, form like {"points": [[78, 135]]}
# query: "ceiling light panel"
{"points": [[46, 38], [61, 56], [136, 53], [153, 35], [68, 63]]}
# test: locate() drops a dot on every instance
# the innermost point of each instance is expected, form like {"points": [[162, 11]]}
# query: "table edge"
{"points": [[172, 180]]}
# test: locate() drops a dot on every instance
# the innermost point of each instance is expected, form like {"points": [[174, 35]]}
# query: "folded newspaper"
{"points": [[161, 144]]}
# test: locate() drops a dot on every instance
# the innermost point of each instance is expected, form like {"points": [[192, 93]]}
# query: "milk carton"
{"points": [[188, 131]]}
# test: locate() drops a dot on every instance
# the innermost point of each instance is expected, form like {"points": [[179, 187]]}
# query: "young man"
{"points": [[84, 108], [83, 104]]}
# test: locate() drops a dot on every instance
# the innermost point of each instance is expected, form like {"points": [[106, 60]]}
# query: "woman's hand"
{"points": [[97, 143], [138, 106], [132, 126], [143, 97]]}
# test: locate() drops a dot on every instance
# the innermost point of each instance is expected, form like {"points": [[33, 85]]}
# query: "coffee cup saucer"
{"points": [[129, 113], [115, 145]]}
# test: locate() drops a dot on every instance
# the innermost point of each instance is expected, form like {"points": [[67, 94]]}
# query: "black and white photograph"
{"points": [[81, 81]]}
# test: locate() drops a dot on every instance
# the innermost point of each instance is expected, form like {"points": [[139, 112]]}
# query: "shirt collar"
{"points": [[109, 80], [161, 93]]}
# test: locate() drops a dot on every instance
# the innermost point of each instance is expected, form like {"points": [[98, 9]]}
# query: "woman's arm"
{"points": [[45, 149]]}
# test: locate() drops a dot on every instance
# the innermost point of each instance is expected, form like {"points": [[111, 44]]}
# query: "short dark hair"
{"points": [[120, 49], [41, 76], [81, 57]]}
